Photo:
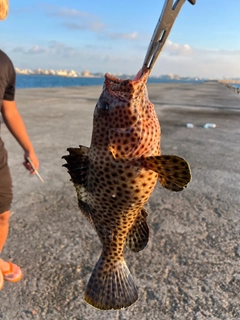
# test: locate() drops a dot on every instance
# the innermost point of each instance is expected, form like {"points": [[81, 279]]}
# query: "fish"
{"points": [[114, 179]]}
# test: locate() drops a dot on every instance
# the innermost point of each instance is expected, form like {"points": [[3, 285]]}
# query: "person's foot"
{"points": [[11, 272]]}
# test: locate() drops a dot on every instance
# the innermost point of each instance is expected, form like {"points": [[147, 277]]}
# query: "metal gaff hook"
{"points": [[162, 31]]}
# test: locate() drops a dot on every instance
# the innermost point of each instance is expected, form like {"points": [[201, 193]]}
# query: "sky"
{"points": [[113, 36]]}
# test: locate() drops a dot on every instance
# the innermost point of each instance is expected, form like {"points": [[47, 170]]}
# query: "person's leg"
{"points": [[4, 225], [11, 272], [5, 204], [5, 201]]}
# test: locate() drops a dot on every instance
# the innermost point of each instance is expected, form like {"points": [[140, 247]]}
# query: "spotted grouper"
{"points": [[114, 179]]}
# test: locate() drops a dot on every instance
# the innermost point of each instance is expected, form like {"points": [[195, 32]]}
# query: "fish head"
{"points": [[125, 120]]}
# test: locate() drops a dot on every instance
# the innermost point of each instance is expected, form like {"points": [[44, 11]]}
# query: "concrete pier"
{"points": [[190, 268]]}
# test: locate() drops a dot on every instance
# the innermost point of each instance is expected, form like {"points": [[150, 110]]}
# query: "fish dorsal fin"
{"points": [[174, 172], [138, 235], [77, 165]]}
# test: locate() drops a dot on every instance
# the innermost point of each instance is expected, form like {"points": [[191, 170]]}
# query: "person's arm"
{"points": [[15, 124]]}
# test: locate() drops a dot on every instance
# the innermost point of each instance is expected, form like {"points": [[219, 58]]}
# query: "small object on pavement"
{"points": [[189, 125], [209, 125]]}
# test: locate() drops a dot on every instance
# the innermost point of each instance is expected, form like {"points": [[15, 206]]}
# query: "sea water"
{"points": [[45, 81]]}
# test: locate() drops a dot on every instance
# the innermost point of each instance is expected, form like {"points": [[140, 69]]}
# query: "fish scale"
{"points": [[114, 179]]}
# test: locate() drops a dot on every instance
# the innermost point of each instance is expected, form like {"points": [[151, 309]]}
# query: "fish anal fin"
{"points": [[174, 172], [110, 286], [86, 210], [77, 165], [138, 235]]}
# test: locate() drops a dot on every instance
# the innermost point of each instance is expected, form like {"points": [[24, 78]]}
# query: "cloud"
{"points": [[184, 60], [219, 52], [201, 62], [182, 50], [54, 48], [175, 49], [125, 36], [68, 13], [74, 26], [61, 49], [36, 50], [75, 19], [33, 50], [92, 26]]}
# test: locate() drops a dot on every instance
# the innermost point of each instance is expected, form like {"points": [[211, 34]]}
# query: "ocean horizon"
{"points": [[51, 81]]}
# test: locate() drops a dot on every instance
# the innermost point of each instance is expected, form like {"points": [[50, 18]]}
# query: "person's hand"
{"points": [[31, 154]]}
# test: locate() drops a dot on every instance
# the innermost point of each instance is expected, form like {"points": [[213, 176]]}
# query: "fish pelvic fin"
{"points": [[138, 235], [174, 172], [77, 165], [110, 286]]}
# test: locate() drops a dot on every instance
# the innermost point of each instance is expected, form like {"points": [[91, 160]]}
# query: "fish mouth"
{"points": [[141, 75], [126, 89]]}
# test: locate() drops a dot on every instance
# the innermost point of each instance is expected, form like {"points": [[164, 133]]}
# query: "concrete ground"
{"points": [[190, 268]]}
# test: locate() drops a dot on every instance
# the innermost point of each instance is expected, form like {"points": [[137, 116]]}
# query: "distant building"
{"points": [[86, 73]]}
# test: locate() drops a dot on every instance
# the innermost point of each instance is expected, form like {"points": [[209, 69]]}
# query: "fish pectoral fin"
{"points": [[138, 235], [77, 165], [111, 285], [174, 172]]}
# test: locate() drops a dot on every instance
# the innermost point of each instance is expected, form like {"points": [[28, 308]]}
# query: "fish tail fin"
{"points": [[174, 172], [111, 285]]}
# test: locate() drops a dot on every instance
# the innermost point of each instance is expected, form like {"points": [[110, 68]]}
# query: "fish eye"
{"points": [[103, 105]]}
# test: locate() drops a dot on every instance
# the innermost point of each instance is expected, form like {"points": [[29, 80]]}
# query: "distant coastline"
{"points": [[88, 74], [50, 81], [60, 72], [27, 78]]}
